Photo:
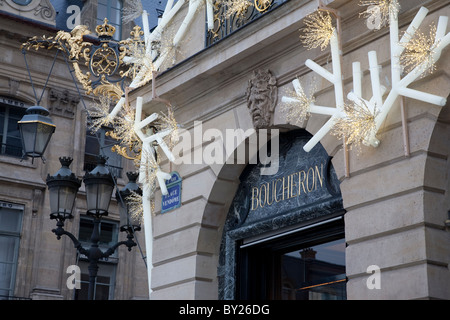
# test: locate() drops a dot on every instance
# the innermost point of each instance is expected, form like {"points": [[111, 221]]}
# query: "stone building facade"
{"points": [[379, 214], [391, 204]]}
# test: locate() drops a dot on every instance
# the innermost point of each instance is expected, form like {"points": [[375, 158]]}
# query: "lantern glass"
{"points": [[98, 197], [62, 200], [128, 221], [99, 188], [63, 188], [36, 130]]}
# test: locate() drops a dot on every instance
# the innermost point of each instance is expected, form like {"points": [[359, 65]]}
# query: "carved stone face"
{"points": [[261, 98]]}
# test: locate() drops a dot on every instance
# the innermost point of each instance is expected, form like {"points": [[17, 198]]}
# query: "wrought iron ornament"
{"points": [[104, 57]]}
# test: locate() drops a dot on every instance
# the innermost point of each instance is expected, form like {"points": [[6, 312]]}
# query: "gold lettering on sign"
{"points": [[290, 186]]}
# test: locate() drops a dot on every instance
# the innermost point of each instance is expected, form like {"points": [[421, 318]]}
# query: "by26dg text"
{"points": [[251, 309], [245, 309]]}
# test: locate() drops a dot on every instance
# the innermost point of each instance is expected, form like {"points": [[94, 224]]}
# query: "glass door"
{"points": [[304, 265]]}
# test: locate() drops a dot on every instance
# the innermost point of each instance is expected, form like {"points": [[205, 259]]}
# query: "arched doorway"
{"points": [[283, 237]]}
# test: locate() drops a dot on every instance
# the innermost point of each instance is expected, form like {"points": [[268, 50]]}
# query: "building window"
{"points": [[108, 232], [112, 10], [100, 144], [10, 139], [10, 228], [106, 277]]}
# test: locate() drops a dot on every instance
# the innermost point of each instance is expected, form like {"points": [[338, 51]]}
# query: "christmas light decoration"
{"points": [[357, 124], [370, 114], [296, 104], [135, 207], [379, 11], [318, 31], [99, 113], [420, 51], [236, 7]]}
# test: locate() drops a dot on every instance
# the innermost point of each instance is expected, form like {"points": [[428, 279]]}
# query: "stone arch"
{"points": [[216, 212], [436, 206], [24, 97]]}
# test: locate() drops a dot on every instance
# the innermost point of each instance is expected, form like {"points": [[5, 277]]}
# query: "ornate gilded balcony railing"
{"points": [[228, 18]]}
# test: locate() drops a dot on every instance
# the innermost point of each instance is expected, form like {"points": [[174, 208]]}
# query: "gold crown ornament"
{"points": [[105, 30]]}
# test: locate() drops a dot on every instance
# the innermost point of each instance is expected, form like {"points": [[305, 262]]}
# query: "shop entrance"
{"points": [[284, 234], [305, 265]]}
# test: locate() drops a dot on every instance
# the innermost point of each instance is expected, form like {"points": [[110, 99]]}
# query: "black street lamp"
{"points": [[63, 187], [36, 129]]}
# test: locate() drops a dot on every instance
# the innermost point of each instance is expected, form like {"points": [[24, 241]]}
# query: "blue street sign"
{"points": [[173, 198]]}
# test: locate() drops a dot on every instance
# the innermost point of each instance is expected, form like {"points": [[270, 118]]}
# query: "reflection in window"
{"points": [[100, 144], [10, 228], [10, 139], [314, 273]]}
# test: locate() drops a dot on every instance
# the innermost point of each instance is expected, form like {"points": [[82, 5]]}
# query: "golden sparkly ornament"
{"points": [[357, 126], [379, 11], [135, 206], [149, 167], [124, 127], [167, 50], [131, 11], [99, 113], [419, 51], [168, 122], [236, 7], [139, 61], [296, 106], [318, 31]]}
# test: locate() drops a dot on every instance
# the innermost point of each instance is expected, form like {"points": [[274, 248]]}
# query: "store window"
{"points": [[10, 139], [112, 10], [10, 228], [104, 286], [308, 265], [100, 143]]}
